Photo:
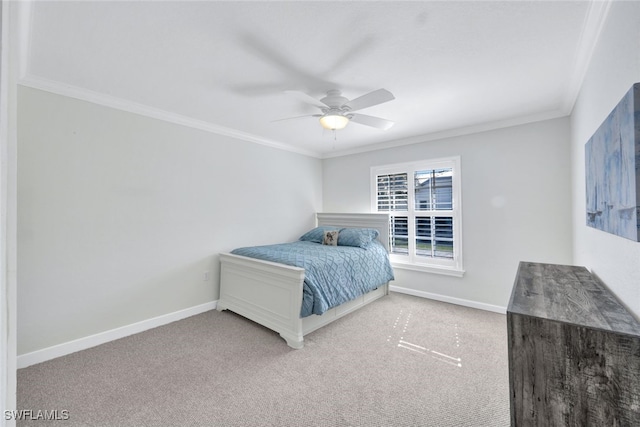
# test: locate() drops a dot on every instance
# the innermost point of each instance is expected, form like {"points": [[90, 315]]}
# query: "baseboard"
{"points": [[63, 349], [60, 350], [451, 300]]}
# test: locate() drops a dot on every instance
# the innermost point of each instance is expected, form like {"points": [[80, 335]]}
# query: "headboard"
{"points": [[379, 221]]}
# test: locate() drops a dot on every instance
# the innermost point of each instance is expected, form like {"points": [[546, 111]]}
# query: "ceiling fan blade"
{"points": [[375, 122], [306, 98], [370, 99], [296, 75], [351, 55], [297, 117]]}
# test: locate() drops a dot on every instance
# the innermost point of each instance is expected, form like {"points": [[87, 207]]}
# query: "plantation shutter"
{"points": [[393, 193], [422, 199]]}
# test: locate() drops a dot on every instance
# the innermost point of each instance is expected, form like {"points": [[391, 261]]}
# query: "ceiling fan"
{"points": [[338, 111]]}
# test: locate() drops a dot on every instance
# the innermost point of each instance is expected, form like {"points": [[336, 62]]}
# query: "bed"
{"points": [[271, 293]]}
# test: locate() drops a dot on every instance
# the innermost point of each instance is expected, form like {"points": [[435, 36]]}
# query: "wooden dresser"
{"points": [[574, 350]]}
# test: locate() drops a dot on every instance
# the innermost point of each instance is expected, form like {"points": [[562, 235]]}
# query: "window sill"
{"points": [[447, 271]]}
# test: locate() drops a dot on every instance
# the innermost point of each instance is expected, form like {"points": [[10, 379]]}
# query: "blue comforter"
{"points": [[333, 274]]}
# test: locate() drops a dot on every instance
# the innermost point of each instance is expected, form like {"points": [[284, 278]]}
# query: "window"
{"points": [[423, 200]]}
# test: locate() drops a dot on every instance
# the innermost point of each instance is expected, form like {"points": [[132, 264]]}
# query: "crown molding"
{"points": [[105, 100], [155, 113], [451, 133], [25, 17], [591, 30]]}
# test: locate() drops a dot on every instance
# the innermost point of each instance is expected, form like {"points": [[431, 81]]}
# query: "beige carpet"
{"points": [[401, 361]]}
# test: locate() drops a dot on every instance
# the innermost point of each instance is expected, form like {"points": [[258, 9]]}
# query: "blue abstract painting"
{"points": [[612, 178]]}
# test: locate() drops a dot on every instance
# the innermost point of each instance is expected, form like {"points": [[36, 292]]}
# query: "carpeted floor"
{"points": [[400, 361]]}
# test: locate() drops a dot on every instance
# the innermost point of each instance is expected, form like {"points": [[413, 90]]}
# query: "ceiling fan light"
{"points": [[334, 121]]}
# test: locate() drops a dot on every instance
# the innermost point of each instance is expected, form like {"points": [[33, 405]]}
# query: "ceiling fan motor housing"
{"points": [[334, 99]]}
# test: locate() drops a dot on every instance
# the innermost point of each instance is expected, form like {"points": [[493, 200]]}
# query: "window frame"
{"points": [[411, 261]]}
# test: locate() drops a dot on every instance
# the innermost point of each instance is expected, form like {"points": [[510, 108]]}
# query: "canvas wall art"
{"points": [[612, 158]]}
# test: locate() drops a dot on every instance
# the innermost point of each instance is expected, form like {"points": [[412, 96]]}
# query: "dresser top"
{"points": [[569, 294]]}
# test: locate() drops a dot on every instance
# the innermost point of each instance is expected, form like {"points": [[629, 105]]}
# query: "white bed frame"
{"points": [[270, 293]]}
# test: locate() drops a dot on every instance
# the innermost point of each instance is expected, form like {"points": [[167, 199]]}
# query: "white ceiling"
{"points": [[453, 66]]}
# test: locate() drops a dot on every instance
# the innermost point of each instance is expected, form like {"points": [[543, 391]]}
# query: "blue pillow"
{"points": [[317, 234], [358, 237]]}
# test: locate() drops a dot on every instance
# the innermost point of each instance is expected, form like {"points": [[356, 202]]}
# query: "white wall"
{"points": [[516, 200], [119, 215], [614, 68], [8, 135]]}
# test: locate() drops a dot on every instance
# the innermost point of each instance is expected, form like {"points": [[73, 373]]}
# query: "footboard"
{"points": [[266, 292]]}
